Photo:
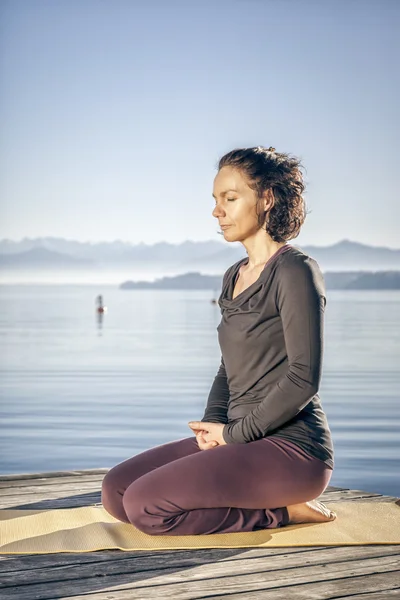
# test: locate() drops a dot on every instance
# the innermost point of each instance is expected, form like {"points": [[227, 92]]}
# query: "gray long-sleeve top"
{"points": [[271, 340]]}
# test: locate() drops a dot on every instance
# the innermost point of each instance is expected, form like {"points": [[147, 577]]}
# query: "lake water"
{"points": [[77, 394]]}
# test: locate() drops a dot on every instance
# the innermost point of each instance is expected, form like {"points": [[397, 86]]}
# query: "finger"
{"points": [[196, 428], [210, 445], [198, 425], [196, 431]]}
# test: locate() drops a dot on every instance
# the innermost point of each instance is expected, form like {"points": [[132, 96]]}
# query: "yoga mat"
{"points": [[91, 528]]}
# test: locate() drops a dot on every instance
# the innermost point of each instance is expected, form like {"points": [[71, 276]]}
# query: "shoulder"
{"points": [[298, 261], [297, 267]]}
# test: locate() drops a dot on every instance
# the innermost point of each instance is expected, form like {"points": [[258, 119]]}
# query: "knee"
{"points": [[111, 496], [115, 481], [108, 485], [138, 504]]}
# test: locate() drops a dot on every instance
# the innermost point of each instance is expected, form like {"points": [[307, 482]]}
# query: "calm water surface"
{"points": [[77, 394]]}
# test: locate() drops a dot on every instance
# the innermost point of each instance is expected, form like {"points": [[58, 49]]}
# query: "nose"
{"points": [[217, 211]]}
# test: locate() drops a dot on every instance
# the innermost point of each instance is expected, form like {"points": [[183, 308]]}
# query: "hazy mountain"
{"points": [[108, 252], [40, 258], [342, 256], [354, 255], [113, 262], [187, 281], [383, 280]]}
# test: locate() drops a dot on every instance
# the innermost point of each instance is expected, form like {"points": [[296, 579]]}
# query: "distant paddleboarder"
{"points": [[100, 307]]}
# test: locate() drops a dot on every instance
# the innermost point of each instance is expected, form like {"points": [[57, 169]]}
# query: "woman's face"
{"points": [[235, 205]]}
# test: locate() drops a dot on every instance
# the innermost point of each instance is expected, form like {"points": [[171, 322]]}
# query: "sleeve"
{"points": [[301, 304], [217, 403]]}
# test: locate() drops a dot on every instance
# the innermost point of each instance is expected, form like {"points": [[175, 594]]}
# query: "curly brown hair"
{"points": [[281, 174]]}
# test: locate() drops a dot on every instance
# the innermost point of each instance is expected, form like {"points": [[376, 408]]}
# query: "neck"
{"points": [[260, 253]]}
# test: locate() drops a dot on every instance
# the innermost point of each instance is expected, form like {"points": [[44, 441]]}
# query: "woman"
{"points": [[263, 451]]}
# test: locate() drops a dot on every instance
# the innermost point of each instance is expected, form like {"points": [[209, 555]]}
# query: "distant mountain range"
{"points": [[382, 280], [208, 257], [105, 252]]}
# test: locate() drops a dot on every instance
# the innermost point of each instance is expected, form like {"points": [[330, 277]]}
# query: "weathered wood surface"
{"points": [[322, 573]]}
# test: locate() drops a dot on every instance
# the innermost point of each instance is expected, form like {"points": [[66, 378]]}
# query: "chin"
{"points": [[230, 235]]}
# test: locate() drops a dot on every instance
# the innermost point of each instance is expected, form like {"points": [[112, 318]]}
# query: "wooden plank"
{"points": [[243, 561], [50, 474], [292, 588], [359, 498], [44, 502], [395, 593], [51, 490], [339, 590], [181, 584], [24, 486], [181, 557], [9, 481], [13, 563]]}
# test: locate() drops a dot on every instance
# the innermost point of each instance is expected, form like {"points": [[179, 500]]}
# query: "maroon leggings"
{"points": [[178, 489]]}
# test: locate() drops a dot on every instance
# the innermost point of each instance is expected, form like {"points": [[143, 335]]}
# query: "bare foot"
{"points": [[310, 512]]}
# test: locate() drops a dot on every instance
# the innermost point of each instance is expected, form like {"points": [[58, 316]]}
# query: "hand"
{"points": [[202, 444], [208, 433]]}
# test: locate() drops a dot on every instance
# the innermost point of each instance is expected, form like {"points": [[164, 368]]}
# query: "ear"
{"points": [[268, 200]]}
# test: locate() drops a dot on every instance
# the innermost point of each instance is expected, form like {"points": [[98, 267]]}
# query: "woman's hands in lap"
{"points": [[208, 435]]}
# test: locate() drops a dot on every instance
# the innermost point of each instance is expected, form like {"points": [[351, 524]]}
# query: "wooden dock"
{"points": [[368, 572]]}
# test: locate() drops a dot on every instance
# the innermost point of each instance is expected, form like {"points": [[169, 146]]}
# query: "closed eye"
{"points": [[228, 199]]}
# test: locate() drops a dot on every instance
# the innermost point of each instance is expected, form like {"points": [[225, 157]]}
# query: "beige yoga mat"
{"points": [[91, 528]]}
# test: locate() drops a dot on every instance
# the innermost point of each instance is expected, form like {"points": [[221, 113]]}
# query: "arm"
{"points": [[218, 398], [217, 403], [301, 304]]}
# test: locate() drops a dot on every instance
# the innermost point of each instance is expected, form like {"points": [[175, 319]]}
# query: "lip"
{"points": [[225, 226]]}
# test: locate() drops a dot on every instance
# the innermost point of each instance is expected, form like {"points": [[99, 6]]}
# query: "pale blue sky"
{"points": [[114, 113]]}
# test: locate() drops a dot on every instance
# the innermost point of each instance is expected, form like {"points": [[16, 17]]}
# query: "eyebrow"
{"points": [[226, 191]]}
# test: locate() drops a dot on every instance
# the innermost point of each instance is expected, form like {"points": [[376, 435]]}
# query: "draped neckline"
{"points": [[249, 289]]}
